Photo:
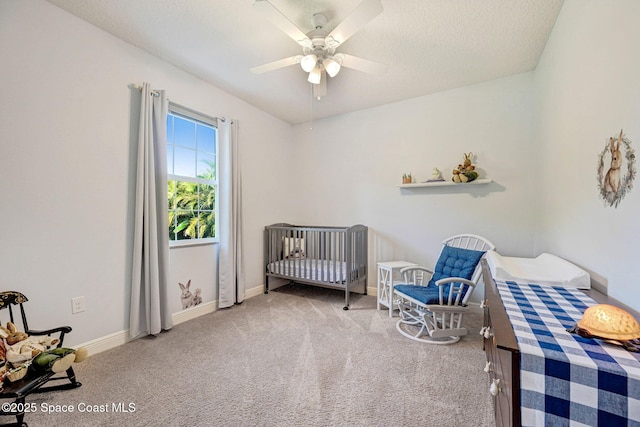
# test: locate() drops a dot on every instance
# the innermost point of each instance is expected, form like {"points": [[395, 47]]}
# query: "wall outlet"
{"points": [[77, 305]]}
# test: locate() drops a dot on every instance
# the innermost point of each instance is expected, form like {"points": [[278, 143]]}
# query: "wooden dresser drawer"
{"points": [[503, 356]]}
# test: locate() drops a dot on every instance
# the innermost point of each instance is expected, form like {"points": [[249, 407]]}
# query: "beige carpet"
{"points": [[289, 358]]}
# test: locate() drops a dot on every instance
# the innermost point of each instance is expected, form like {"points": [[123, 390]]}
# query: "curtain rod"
{"points": [[156, 94]]}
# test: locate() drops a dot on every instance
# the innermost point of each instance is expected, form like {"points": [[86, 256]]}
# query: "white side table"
{"points": [[388, 276]]}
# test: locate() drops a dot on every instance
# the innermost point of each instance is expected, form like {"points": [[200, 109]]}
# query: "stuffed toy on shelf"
{"points": [[465, 172]]}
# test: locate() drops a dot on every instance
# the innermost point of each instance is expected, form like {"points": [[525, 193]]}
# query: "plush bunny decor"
{"points": [[465, 172], [18, 351]]}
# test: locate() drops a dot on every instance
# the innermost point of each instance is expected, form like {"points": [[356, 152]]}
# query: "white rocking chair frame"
{"points": [[439, 323]]}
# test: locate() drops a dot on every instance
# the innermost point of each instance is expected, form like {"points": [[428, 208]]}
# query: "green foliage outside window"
{"points": [[192, 207]]}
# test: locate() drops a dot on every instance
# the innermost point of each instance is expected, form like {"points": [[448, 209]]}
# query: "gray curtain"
{"points": [[149, 311], [230, 258]]}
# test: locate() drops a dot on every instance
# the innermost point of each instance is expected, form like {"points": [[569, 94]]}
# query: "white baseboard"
{"points": [[249, 293], [119, 338], [193, 312], [106, 343]]}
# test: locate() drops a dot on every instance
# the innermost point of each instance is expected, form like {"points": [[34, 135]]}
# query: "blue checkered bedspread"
{"points": [[567, 380]]}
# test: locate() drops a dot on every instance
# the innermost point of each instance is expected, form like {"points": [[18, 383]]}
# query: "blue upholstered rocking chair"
{"points": [[432, 302]]}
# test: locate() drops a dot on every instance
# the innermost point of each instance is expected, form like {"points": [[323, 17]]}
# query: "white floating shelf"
{"points": [[444, 183]]}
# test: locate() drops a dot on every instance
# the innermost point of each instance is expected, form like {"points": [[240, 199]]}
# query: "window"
{"points": [[192, 177]]}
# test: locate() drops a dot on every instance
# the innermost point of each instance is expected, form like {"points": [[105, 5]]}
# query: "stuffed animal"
{"points": [[11, 334], [58, 359], [465, 172], [20, 351], [21, 347]]}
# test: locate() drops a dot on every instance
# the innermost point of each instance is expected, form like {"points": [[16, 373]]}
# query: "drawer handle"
{"points": [[494, 389], [485, 331], [487, 367]]}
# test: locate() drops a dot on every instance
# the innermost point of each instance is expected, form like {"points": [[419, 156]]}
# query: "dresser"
{"points": [[503, 356], [507, 361]]}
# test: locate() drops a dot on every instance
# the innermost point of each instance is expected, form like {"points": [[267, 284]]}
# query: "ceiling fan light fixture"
{"points": [[315, 76], [332, 67], [309, 62]]}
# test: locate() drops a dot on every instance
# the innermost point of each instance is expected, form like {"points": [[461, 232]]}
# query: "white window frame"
{"points": [[191, 115]]}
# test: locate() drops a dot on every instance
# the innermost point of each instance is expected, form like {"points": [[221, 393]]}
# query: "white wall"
{"points": [[588, 89], [67, 132], [66, 162], [350, 165]]}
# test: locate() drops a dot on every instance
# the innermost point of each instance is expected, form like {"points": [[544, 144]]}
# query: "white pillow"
{"points": [[293, 247]]}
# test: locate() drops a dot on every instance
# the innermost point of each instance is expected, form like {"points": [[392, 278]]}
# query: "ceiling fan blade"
{"points": [[276, 64], [279, 20], [365, 12], [360, 64]]}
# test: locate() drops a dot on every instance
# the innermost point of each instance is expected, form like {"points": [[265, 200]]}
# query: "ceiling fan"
{"points": [[319, 56]]}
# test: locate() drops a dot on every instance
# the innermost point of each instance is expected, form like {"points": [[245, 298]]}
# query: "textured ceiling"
{"points": [[427, 45]]}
